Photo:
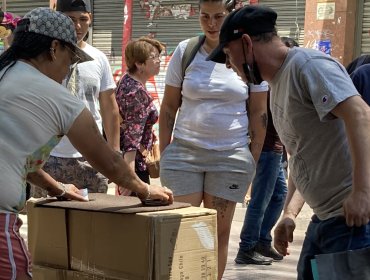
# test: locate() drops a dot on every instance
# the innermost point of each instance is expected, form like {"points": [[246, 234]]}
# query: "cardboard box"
{"points": [[49, 273], [171, 244]]}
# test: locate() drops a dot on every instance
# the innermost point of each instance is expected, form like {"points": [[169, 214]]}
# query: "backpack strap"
{"points": [[191, 50]]}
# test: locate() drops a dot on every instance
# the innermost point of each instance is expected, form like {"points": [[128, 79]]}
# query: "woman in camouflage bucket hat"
{"points": [[35, 112]]}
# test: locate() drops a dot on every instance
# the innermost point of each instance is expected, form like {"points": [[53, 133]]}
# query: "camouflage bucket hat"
{"points": [[53, 24]]}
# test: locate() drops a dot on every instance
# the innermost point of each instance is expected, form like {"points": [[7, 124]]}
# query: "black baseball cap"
{"points": [[73, 5], [252, 20]]}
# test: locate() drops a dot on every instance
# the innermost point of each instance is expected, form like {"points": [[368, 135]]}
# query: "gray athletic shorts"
{"points": [[187, 169]]}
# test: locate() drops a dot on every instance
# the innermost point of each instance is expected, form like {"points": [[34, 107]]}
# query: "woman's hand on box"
{"points": [[158, 192], [73, 193]]}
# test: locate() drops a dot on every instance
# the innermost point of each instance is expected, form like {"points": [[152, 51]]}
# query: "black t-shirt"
{"points": [[272, 140], [357, 62]]}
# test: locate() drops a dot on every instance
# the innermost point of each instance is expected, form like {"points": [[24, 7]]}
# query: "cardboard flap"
{"points": [[43, 229], [109, 203]]}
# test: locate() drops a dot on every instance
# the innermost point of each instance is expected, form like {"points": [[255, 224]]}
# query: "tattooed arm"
{"points": [[170, 105], [257, 122]]}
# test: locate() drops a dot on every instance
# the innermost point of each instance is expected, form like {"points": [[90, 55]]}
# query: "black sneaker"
{"points": [[251, 257], [268, 251]]}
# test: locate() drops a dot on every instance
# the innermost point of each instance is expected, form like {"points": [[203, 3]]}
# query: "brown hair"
{"points": [[228, 4], [138, 51]]}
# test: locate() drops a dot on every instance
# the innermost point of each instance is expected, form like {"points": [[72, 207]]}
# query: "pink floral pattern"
{"points": [[139, 114]]}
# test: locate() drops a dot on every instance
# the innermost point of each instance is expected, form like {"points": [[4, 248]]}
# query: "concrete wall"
{"points": [[331, 22]]}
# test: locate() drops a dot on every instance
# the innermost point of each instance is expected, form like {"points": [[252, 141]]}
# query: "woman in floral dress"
{"points": [[136, 106]]}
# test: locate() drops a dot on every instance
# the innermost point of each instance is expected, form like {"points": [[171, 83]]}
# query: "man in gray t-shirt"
{"points": [[323, 123]]}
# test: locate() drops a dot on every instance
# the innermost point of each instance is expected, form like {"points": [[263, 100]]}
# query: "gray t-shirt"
{"points": [[35, 111], [309, 85]]}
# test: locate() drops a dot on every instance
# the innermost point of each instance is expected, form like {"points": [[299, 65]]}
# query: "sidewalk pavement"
{"points": [[283, 270]]}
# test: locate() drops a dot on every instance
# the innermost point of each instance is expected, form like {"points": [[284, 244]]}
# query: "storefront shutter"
{"points": [[365, 28], [107, 31], [290, 21], [171, 22], [21, 7]]}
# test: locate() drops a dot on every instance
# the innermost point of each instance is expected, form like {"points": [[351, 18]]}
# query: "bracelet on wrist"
{"points": [[148, 194], [63, 186]]}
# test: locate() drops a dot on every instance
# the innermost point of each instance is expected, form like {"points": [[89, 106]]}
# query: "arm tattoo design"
{"points": [[264, 120], [251, 135], [170, 121]]}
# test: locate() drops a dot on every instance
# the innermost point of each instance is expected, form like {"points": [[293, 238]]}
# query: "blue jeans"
{"points": [[269, 190], [329, 236]]}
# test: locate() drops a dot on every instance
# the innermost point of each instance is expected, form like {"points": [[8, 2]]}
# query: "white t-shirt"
{"points": [[91, 78], [213, 111], [34, 112]]}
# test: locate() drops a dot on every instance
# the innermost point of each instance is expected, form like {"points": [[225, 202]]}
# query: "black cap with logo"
{"points": [[252, 20], [73, 5]]}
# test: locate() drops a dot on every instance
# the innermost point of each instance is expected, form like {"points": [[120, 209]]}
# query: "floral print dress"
{"points": [[139, 114]]}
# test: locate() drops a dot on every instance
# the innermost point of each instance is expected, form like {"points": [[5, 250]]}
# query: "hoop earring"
{"points": [[52, 54]]}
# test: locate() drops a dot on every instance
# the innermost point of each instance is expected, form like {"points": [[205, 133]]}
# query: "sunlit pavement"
{"points": [[283, 270]]}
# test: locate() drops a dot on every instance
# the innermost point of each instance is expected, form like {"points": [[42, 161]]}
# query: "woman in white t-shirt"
{"points": [[209, 160], [35, 112]]}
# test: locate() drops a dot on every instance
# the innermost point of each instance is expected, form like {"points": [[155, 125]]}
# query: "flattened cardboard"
{"points": [[170, 244], [112, 204]]}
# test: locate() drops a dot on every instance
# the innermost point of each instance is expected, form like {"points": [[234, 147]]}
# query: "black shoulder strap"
{"points": [[191, 50]]}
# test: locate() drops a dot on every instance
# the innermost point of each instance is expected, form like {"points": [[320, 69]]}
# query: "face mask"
{"points": [[253, 74]]}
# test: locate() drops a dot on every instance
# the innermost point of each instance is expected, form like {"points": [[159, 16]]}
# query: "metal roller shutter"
{"points": [[107, 31], [365, 27], [21, 7], [171, 23], [291, 14], [167, 25]]}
